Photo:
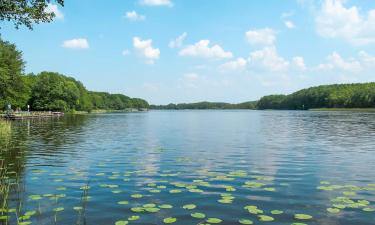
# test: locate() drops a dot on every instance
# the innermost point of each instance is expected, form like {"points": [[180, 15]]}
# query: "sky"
{"points": [[194, 50]]}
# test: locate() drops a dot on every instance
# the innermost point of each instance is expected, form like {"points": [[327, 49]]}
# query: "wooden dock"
{"points": [[31, 115]]}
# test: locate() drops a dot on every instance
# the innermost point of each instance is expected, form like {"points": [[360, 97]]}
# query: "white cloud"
{"points": [[202, 49], [145, 49], [268, 59], [336, 62], [336, 21], [52, 8], [238, 64], [299, 63], [191, 76], [78, 43], [134, 16], [289, 24], [125, 52], [157, 3], [264, 36], [178, 42]]}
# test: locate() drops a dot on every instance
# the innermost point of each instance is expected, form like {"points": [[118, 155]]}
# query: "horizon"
{"points": [[173, 51]]}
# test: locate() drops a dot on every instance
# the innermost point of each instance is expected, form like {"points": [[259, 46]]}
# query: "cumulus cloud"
{"points": [[336, 62], [178, 42], [289, 24], [52, 8], [264, 36], [299, 63], [202, 49], [157, 2], [134, 16], [238, 64], [268, 59], [78, 43], [144, 49], [334, 20]]}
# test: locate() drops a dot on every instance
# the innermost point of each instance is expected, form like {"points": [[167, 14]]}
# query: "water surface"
{"points": [[227, 165]]}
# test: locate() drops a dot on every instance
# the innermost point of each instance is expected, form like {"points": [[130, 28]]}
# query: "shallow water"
{"points": [[296, 162]]}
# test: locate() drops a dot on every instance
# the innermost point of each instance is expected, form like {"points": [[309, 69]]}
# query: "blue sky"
{"points": [[217, 50]]}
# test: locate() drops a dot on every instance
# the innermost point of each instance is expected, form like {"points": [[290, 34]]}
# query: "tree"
{"points": [[11, 69], [53, 91], [26, 12]]}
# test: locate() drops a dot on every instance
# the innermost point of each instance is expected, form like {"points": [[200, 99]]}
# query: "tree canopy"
{"points": [[324, 96], [50, 90], [26, 12]]}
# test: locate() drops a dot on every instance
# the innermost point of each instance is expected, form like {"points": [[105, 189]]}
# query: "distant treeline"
{"points": [[206, 105], [51, 91], [325, 96]]}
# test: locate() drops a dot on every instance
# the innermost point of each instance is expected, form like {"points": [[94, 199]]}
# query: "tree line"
{"points": [[206, 105], [50, 90], [359, 95]]}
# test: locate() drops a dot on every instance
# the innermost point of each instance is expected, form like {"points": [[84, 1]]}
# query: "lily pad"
{"points": [[302, 216], [265, 218], [333, 210], [121, 222], [189, 206], [213, 220], [276, 212], [198, 215], [245, 221], [170, 220]]}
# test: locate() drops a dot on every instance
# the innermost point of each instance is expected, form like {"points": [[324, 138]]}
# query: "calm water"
{"points": [[111, 167]]}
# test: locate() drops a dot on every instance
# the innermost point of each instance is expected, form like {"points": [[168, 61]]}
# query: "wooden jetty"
{"points": [[31, 115]]}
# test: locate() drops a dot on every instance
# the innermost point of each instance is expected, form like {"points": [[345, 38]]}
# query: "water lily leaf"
{"points": [[189, 206], [121, 222], [198, 215], [302, 216], [276, 212], [367, 209], [333, 210], [123, 202], [170, 220], [265, 218], [213, 220], [137, 209], [245, 221], [132, 218], [165, 206], [136, 196]]}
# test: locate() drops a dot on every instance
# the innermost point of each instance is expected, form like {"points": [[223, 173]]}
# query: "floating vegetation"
{"points": [[198, 215], [245, 221], [213, 220], [302, 216], [170, 220]]}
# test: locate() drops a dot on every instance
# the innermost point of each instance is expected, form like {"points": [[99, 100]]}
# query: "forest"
{"points": [[50, 90], [206, 105], [359, 95]]}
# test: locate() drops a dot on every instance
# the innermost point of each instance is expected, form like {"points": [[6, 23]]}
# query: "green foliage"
{"points": [[325, 96], [26, 12], [206, 105], [51, 91], [11, 69]]}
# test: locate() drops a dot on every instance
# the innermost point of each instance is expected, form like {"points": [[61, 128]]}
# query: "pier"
{"points": [[30, 115]]}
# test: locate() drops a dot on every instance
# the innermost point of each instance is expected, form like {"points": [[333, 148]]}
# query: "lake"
{"points": [[190, 167]]}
